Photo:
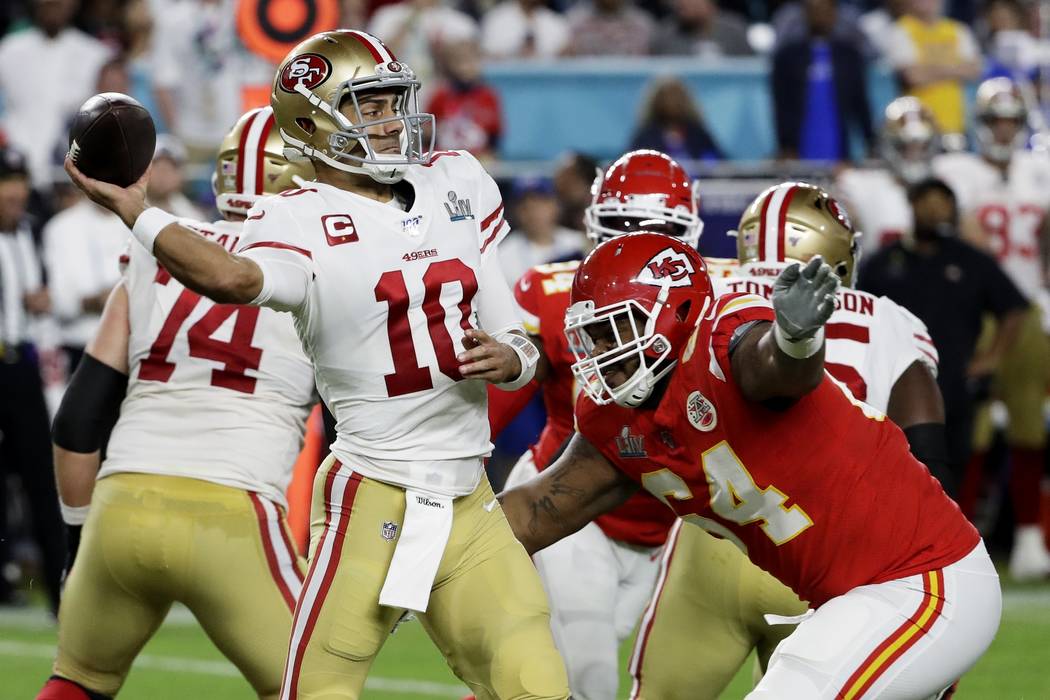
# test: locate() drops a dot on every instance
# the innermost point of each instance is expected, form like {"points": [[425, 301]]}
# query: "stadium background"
{"points": [[548, 108]]}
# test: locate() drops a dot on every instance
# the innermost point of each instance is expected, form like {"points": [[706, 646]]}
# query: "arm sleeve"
{"points": [[497, 310], [273, 240], [731, 312], [493, 226]]}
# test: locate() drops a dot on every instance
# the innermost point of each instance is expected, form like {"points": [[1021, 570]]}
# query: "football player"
{"points": [[1004, 199], [880, 352], [388, 264], [737, 428], [599, 579], [877, 197], [189, 502]]}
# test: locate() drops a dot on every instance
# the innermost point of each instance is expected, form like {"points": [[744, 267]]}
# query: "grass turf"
{"points": [[180, 662]]}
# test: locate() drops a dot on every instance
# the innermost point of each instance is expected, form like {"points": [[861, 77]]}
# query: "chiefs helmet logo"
{"points": [[668, 264], [308, 70]]}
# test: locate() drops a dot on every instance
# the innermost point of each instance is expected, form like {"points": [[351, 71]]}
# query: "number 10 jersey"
{"points": [[217, 392], [390, 293]]}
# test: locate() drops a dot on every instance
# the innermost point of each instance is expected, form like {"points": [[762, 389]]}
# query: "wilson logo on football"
{"points": [[666, 265], [701, 412], [308, 70], [338, 229]]}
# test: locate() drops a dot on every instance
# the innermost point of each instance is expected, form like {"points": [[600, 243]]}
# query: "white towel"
{"points": [[424, 534]]}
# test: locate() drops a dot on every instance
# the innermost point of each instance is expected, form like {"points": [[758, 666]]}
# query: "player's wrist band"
{"points": [[798, 349], [149, 225], [73, 515], [528, 356]]}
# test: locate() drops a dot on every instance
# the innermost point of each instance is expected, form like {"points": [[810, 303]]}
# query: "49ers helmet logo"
{"points": [[667, 264], [308, 69]]}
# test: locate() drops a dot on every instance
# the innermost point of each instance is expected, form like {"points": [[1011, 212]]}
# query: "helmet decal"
{"points": [[668, 264], [308, 69]]}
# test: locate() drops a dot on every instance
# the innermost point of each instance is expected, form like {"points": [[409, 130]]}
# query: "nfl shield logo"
{"points": [[388, 531]]}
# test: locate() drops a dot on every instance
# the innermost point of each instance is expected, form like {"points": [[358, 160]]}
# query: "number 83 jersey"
{"points": [[217, 392], [391, 291], [823, 493]]}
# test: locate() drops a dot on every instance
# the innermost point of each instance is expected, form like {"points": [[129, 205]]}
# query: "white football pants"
{"points": [[598, 588], [908, 638]]}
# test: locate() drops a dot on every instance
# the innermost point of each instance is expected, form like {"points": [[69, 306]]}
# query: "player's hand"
{"points": [[125, 202], [804, 298], [487, 358]]}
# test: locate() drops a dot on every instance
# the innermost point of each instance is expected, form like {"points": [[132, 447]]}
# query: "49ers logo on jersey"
{"points": [[308, 70], [338, 229], [666, 265]]}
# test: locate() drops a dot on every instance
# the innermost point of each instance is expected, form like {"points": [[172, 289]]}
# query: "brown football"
{"points": [[112, 139]]}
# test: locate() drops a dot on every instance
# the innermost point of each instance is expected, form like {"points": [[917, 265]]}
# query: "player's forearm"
{"points": [[206, 267], [75, 474], [763, 371], [576, 489]]}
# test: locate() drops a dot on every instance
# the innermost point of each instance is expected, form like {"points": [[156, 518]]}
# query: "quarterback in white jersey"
{"points": [[189, 503], [388, 265], [881, 353], [877, 197], [1003, 195]]}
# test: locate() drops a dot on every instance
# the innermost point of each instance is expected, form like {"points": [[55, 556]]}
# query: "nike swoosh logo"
{"points": [[491, 505]]}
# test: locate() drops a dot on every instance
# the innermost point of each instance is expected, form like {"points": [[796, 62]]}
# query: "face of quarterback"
{"points": [[604, 339], [376, 105]]}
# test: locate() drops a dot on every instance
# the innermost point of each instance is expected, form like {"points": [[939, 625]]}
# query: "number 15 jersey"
{"points": [[217, 392], [389, 295]]}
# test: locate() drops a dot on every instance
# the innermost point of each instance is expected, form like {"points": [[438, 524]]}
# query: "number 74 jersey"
{"points": [[217, 392], [823, 494]]}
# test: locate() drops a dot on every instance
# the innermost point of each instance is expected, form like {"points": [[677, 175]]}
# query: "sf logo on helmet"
{"points": [[309, 70], [667, 264]]}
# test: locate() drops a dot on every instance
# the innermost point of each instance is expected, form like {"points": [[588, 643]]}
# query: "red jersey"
{"points": [[543, 295], [824, 494]]}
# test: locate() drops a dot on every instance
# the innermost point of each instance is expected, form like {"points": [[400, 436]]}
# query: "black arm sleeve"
{"points": [[929, 446], [90, 407]]}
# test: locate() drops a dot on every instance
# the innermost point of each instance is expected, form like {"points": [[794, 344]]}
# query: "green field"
{"points": [[181, 663]]}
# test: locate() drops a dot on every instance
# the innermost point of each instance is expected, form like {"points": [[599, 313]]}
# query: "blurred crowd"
{"points": [[187, 63]]}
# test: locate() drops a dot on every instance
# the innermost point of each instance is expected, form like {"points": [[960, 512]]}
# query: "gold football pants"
{"points": [[487, 612], [151, 540], [1021, 383], [705, 617]]}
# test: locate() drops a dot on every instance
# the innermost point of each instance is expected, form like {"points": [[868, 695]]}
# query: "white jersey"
{"points": [[216, 392], [1009, 211], [383, 316], [870, 340], [878, 203]]}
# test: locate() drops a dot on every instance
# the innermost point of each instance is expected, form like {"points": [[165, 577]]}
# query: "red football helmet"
{"points": [[644, 292], [641, 191]]}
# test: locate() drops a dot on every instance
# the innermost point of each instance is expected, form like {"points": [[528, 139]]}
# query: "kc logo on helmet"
{"points": [[308, 70], [668, 264], [338, 229]]}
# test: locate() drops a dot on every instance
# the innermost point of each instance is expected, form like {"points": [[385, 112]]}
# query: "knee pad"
{"points": [[58, 688]]}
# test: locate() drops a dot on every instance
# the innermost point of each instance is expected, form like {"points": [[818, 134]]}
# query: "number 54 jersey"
{"points": [[217, 392], [391, 290], [823, 494]]}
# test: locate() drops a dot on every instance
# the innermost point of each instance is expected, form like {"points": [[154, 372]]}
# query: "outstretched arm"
{"points": [[576, 489], [203, 266], [785, 359]]}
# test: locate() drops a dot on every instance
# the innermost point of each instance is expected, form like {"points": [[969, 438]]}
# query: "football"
{"points": [[112, 139]]}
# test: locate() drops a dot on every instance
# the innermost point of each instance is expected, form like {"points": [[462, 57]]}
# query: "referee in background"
{"points": [[25, 436]]}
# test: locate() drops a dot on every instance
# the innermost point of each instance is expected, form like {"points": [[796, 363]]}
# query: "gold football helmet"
{"points": [[319, 75], [1000, 98], [795, 221], [909, 139], [251, 164]]}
